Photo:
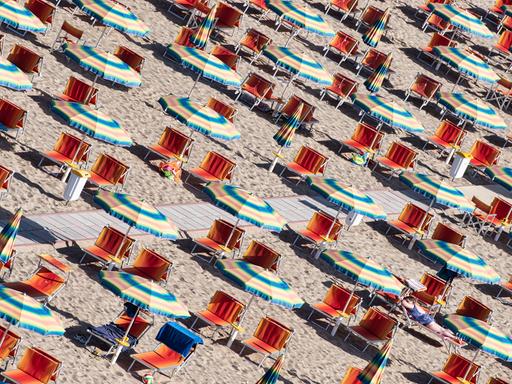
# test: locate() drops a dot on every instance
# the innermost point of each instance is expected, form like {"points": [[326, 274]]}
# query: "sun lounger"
{"points": [[375, 328], [222, 108], [9, 347], [225, 55], [67, 34], [447, 137], [424, 8], [12, 118], [471, 307], [262, 255], [42, 10], [351, 376], [68, 149], [150, 265], [287, 109], [307, 162], [437, 40], [253, 42], [437, 24], [223, 238], [413, 222], [423, 87], [365, 139], [501, 93], [259, 88], [483, 155], [107, 172], [214, 168], [436, 294], [494, 217], [456, 366], [78, 91], [228, 17], [188, 9], [496, 11], [342, 88], [371, 59], [258, 5], [444, 232], [398, 158], [320, 231], [344, 45], [503, 46], [505, 285], [183, 37], [368, 16], [26, 60], [5, 180], [133, 59], [35, 367], [345, 7], [173, 144]]}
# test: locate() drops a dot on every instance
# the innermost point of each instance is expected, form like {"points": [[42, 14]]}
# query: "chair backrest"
{"points": [[294, 103], [457, 366], [133, 59], [450, 133], [41, 9], [439, 40], [344, 85], [414, 216], [5, 177], [402, 154], [436, 287], [222, 108], [71, 30], [260, 4], [344, 5], [373, 58], [110, 169], [502, 209], [79, 91], [39, 364], [68, 145], [45, 280], [471, 307], [260, 254], [226, 307], [485, 152], [152, 264], [438, 22], [10, 344], [447, 233], [176, 142], [11, 115], [139, 326], [342, 299], [273, 333], [221, 231], [321, 222], [367, 136], [255, 40], [505, 40], [217, 165], [311, 160], [425, 85], [183, 37], [225, 55], [344, 43], [258, 84], [110, 239], [25, 59], [371, 14], [378, 323], [227, 16]]}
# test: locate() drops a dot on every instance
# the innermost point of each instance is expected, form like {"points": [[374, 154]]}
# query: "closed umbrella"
{"points": [[376, 79], [374, 371], [374, 34], [200, 37], [285, 135], [8, 236], [19, 17], [271, 376], [12, 77]]}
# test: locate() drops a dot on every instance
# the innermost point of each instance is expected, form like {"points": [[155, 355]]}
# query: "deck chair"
{"points": [[222, 311], [483, 155], [270, 338], [496, 380], [183, 37], [424, 8], [35, 367], [78, 91], [437, 24], [505, 23], [337, 305], [368, 16], [375, 328], [413, 222], [471, 307], [496, 10], [5, 181], [446, 137], [257, 5], [259, 88], [307, 162], [371, 59], [107, 172], [447, 233], [253, 42], [223, 238], [213, 168], [66, 150], [503, 46], [150, 265], [172, 144], [398, 158], [222, 108], [423, 87], [364, 139], [228, 17], [319, 231], [437, 40], [133, 59], [342, 88], [26, 60], [9, 347], [225, 55], [43, 11], [435, 296], [344, 45], [68, 33], [456, 366], [177, 346], [501, 93], [345, 7], [497, 216], [287, 109], [262, 255], [12, 118], [505, 285], [111, 247]]}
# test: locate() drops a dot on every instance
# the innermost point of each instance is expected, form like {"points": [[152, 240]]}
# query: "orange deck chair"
{"points": [[6, 176], [26, 60], [371, 59], [42, 10], [9, 347], [173, 144], [437, 40], [505, 285], [447, 136], [258, 5], [228, 17], [222, 108], [351, 376], [364, 139], [345, 7], [506, 23], [423, 8], [262, 255], [503, 46], [133, 59], [78, 91], [68, 33], [447, 233], [456, 366], [398, 157], [320, 230], [183, 37], [66, 150], [222, 238], [225, 55], [484, 155], [497, 216], [344, 45], [436, 295], [270, 339], [471, 307], [287, 109], [109, 244], [151, 265], [107, 172], [259, 88], [12, 117], [341, 88], [375, 328], [35, 367], [253, 42], [368, 16], [496, 11], [502, 94], [413, 222], [213, 168], [423, 87], [307, 162], [188, 8], [437, 24]]}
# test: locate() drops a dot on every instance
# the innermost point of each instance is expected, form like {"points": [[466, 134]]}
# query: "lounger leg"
{"points": [[313, 311], [499, 292], [262, 361], [242, 351], [295, 241], [40, 162], [82, 259], [88, 340], [130, 366]]}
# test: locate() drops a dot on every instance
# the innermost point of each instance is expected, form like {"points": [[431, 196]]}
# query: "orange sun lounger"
{"points": [[68, 33], [447, 137], [341, 88], [423, 87], [222, 108], [150, 265], [364, 139], [222, 238], [307, 162], [447, 233], [456, 366], [262, 255], [133, 59], [259, 88], [345, 7], [437, 40], [505, 285], [320, 230], [9, 347], [287, 109], [413, 223], [436, 294], [78, 91], [107, 172], [66, 150], [368, 16], [225, 55], [42, 10], [12, 117], [344, 45], [213, 168], [483, 155], [398, 157], [172, 144], [494, 217], [375, 328], [35, 367], [370, 61], [471, 307], [26, 60], [5, 180], [254, 42]]}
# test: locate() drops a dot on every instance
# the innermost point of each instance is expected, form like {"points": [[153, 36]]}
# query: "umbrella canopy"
{"points": [[199, 117], [473, 109], [481, 335], [136, 213], [23, 311], [376, 79], [438, 191], [12, 77], [467, 63], [388, 111], [298, 64], [92, 122], [364, 271], [8, 236], [373, 372], [244, 205], [19, 17], [501, 175], [285, 135], [374, 34], [272, 374], [103, 64], [200, 37], [347, 198], [260, 282], [461, 19]]}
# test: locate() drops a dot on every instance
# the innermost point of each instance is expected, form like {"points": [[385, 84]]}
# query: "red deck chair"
{"points": [[260, 254], [222, 108], [42, 10], [437, 40], [447, 136], [345, 7], [364, 139], [343, 44], [413, 222], [501, 93], [213, 168], [423, 87], [342, 88], [5, 181], [288, 109], [108, 172], [258, 87], [222, 238], [225, 55], [173, 144], [12, 117], [445, 232], [67, 34], [183, 37], [368, 16], [498, 216], [506, 23], [337, 305], [471, 307], [26, 60], [399, 157], [456, 366], [503, 46], [375, 328], [437, 24], [258, 5], [188, 8], [35, 367], [371, 59], [496, 10], [150, 265], [133, 59], [78, 91], [436, 295], [67, 149], [505, 285], [9, 347], [270, 339], [222, 311], [307, 162], [254, 42], [228, 17], [320, 230], [484, 155], [109, 244]]}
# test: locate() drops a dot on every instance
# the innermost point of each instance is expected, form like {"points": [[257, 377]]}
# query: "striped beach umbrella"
{"points": [[461, 19], [374, 34], [17, 16], [286, 133], [12, 77], [374, 82], [8, 236], [388, 111], [200, 37], [271, 376], [136, 214], [459, 260], [472, 109], [92, 122], [374, 371], [200, 118], [103, 64], [467, 63], [501, 175]]}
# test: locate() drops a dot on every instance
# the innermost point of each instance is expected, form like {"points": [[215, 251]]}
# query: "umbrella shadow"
{"points": [[496, 140], [29, 229], [163, 8]]}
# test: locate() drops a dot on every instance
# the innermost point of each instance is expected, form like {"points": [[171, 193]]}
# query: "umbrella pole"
{"points": [[101, 36], [319, 250], [195, 83], [234, 331], [276, 158], [116, 257], [413, 240], [287, 85], [338, 322], [124, 341]]}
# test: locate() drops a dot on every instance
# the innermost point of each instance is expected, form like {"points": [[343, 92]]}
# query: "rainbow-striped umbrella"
{"points": [[199, 117], [364, 271], [200, 37], [19, 17], [459, 260], [373, 372], [103, 64], [374, 82], [137, 214], [501, 175], [374, 34], [245, 206], [473, 109], [467, 63], [437, 191], [13, 77], [286, 133], [461, 19], [8, 236], [388, 111], [272, 374], [92, 122]]}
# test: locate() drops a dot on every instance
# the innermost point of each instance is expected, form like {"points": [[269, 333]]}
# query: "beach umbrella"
{"points": [[373, 372], [387, 111], [271, 376], [12, 77], [285, 135], [200, 118], [200, 37], [8, 236], [205, 65], [376, 79], [501, 175], [461, 19], [144, 294], [103, 64], [17, 16], [459, 260], [374, 34]]}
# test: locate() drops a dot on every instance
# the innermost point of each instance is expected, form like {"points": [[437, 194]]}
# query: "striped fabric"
{"points": [[501, 175], [467, 63], [374, 34], [285, 135], [12, 77], [8, 236], [461, 19], [373, 372], [271, 376], [19, 17], [200, 37], [374, 82]]}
